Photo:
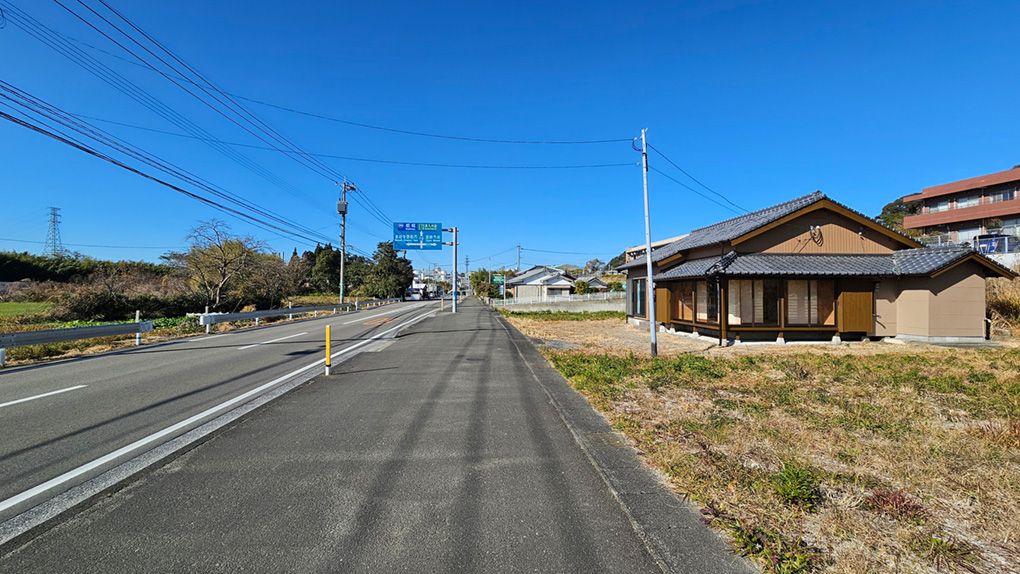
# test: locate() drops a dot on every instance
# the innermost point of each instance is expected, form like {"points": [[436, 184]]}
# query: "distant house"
{"points": [[594, 283], [541, 282], [812, 269]]}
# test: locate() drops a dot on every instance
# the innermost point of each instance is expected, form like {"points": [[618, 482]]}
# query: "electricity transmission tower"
{"points": [[54, 248]]}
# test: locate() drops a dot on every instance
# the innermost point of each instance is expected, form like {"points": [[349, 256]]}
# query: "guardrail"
{"points": [[208, 319], [25, 338]]}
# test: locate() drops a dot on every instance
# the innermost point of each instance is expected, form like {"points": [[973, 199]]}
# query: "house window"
{"points": [[753, 303], [638, 292], [938, 206], [810, 302]]}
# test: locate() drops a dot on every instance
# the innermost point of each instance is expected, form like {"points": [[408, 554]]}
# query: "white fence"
{"points": [[605, 296]]}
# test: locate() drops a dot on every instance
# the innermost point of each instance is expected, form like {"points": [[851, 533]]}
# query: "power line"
{"points": [[363, 159], [61, 45], [97, 246], [58, 116], [371, 126], [232, 106], [681, 184], [14, 96], [672, 163], [569, 252], [430, 135]]}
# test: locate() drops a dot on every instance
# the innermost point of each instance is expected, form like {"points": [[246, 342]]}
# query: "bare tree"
{"points": [[216, 258]]}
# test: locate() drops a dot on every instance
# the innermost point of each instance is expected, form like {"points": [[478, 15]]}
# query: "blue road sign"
{"points": [[417, 236]]}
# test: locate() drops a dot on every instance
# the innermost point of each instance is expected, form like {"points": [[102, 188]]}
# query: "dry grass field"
{"points": [[865, 457]]}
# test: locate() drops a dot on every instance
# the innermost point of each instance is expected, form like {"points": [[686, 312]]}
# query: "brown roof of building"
{"points": [[966, 184]]}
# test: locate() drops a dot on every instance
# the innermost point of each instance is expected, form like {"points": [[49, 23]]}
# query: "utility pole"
{"points": [[518, 257], [490, 271], [341, 208], [650, 308]]}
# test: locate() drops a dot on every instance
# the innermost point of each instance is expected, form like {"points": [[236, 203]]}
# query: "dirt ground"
{"points": [[617, 337]]}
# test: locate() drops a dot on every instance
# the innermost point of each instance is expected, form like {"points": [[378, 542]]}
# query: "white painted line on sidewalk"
{"points": [[146, 441], [51, 393], [273, 341]]}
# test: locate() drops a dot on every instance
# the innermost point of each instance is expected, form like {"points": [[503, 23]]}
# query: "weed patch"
{"points": [[797, 484]]}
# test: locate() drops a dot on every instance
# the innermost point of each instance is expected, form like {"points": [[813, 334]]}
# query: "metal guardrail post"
{"points": [[3, 357]]}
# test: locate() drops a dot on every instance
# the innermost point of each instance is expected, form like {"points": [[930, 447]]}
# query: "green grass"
{"points": [[564, 315], [16, 309]]}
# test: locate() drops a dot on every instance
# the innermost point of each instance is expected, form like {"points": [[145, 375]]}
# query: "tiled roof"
{"points": [[842, 265], [695, 268], [925, 260], [729, 229], [917, 261]]}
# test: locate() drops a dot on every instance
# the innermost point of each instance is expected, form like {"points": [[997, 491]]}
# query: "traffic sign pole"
{"points": [[454, 285]]}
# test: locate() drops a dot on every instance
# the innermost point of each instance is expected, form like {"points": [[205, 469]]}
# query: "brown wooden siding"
{"points": [[837, 234], [714, 251]]}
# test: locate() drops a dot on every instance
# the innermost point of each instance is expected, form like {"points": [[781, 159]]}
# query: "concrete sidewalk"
{"points": [[444, 451]]}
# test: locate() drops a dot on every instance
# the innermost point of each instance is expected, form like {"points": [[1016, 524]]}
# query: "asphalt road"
{"points": [[102, 403], [454, 447]]}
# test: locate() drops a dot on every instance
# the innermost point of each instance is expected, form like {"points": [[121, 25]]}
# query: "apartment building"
{"points": [[981, 211]]}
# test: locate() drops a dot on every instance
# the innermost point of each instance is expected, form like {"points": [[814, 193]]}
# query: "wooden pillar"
{"points": [[724, 314]]}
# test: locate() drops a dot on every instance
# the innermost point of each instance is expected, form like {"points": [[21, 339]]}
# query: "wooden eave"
{"points": [[836, 208], [670, 261]]}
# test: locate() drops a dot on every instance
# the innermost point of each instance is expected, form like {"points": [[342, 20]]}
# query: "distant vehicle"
{"points": [[415, 294]]}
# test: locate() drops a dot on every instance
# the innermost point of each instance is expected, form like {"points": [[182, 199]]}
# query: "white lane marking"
{"points": [[411, 308], [138, 444], [207, 338], [273, 341], [42, 395], [371, 316]]}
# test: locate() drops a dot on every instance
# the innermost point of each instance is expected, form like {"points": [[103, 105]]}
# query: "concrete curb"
{"points": [[671, 528]]}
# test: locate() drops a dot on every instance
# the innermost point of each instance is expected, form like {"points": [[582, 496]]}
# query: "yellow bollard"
{"points": [[327, 350]]}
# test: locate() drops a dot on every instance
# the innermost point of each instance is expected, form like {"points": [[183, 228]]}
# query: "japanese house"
{"points": [[541, 282], [812, 269]]}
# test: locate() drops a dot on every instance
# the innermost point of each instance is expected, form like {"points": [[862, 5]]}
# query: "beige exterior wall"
{"points": [[951, 304], [912, 306], [838, 234], [958, 303], [886, 307]]}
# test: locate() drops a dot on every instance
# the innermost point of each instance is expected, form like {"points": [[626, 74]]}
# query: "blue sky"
{"points": [[760, 101]]}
